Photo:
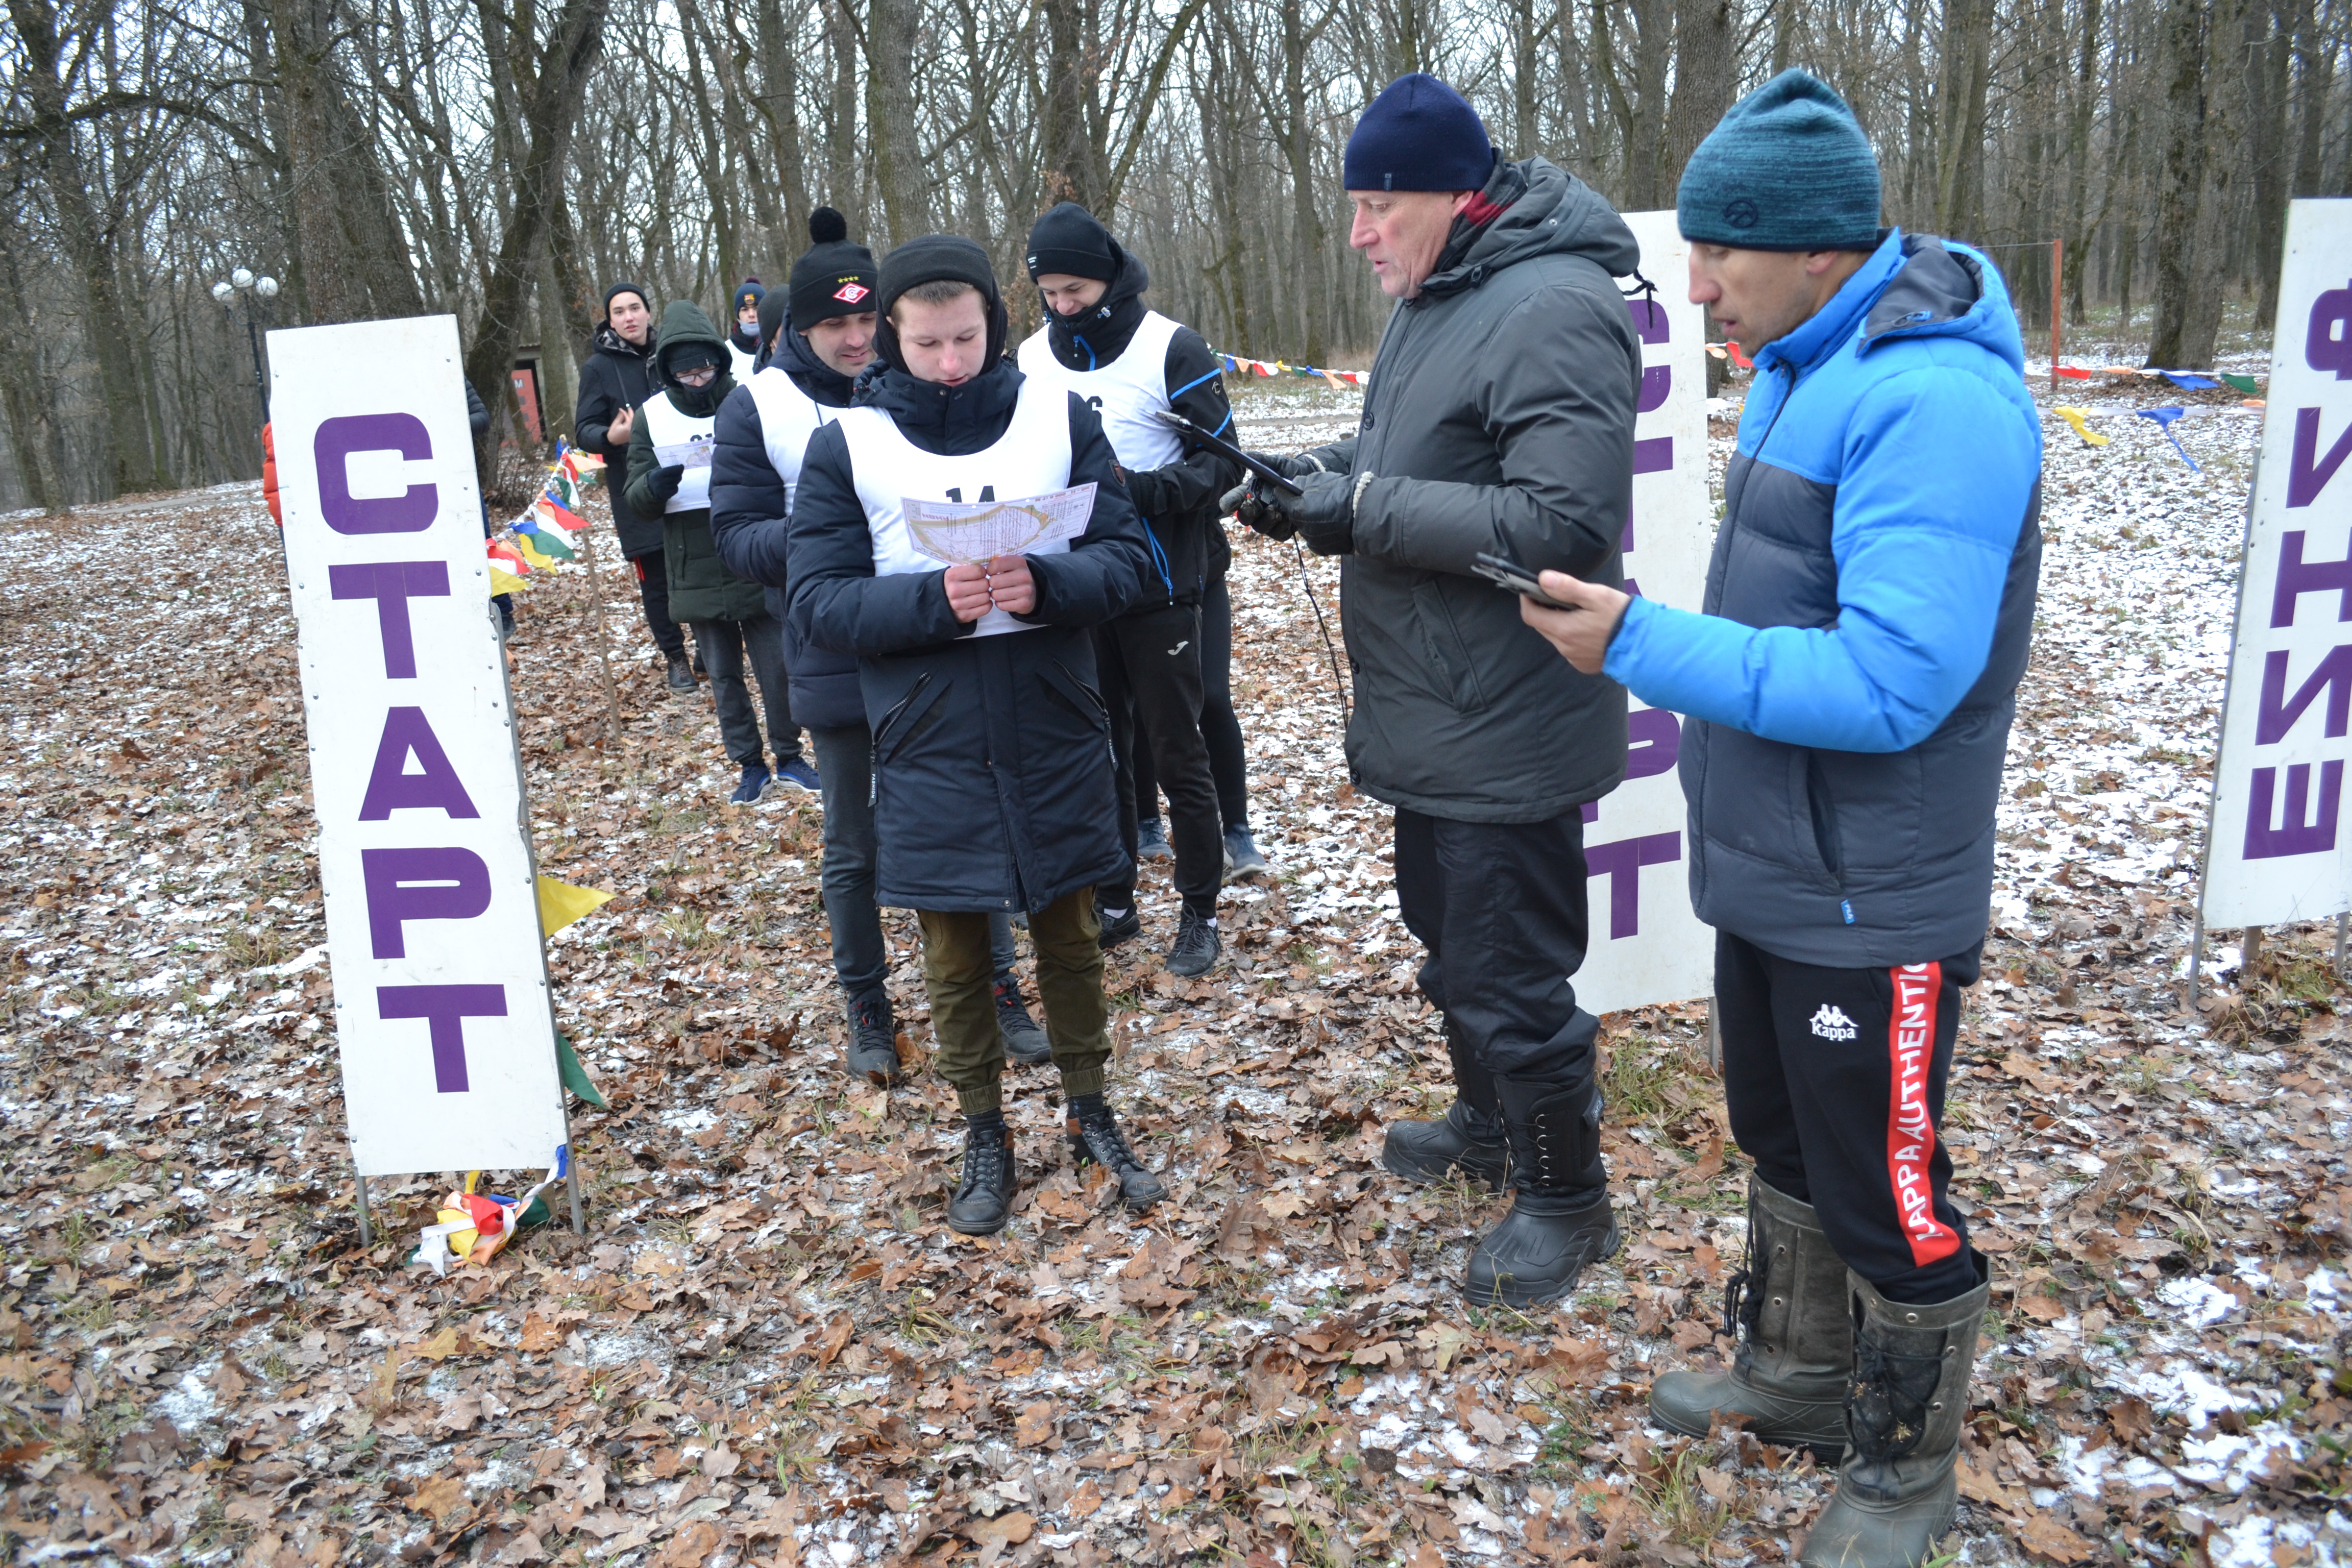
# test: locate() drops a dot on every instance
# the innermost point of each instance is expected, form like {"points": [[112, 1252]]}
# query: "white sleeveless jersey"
{"points": [[1124, 392], [788, 417], [669, 428], [1031, 459], [744, 360]]}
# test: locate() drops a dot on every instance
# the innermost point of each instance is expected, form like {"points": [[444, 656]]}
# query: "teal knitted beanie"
{"points": [[1786, 169]]}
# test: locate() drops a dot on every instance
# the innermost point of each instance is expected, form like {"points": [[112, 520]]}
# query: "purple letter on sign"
{"points": [[2294, 835], [392, 583], [1656, 739], [2279, 711], [1621, 863], [408, 512], [444, 1009], [2297, 576], [447, 884], [2328, 342], [2307, 472], [391, 787]]}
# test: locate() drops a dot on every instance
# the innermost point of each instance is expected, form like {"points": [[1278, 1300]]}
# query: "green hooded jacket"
{"points": [[700, 586]]}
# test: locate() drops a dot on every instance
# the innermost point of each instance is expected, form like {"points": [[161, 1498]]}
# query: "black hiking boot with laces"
{"points": [[1094, 1134], [983, 1195], [1023, 1041], [874, 1040]]}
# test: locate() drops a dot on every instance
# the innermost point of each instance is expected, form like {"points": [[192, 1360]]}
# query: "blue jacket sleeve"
{"points": [[1102, 576], [836, 601], [1935, 477], [749, 511]]}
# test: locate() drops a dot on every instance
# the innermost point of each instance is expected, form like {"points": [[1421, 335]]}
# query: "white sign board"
{"points": [[2275, 851], [441, 1000], [1646, 946]]}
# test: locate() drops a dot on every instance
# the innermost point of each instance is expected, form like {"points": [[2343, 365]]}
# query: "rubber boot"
{"points": [[1561, 1219], [1467, 1140], [1788, 1311], [1898, 1489]]}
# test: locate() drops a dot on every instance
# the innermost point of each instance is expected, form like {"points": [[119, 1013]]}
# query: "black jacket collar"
{"points": [[1094, 338], [948, 420]]}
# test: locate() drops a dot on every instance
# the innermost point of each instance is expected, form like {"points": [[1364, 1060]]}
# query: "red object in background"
{"points": [[2069, 372], [1737, 356], [526, 385], [269, 477]]}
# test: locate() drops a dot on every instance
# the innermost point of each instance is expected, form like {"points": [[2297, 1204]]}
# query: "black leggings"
{"points": [[1221, 729]]}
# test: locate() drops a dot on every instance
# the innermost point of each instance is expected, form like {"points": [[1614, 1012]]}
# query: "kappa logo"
{"points": [[1831, 1024], [851, 293]]}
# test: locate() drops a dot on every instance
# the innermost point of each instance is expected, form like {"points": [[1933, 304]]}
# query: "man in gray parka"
{"points": [[1499, 420]]}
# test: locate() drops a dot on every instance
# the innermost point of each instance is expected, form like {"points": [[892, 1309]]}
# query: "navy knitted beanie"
{"points": [[1786, 169], [1418, 135]]}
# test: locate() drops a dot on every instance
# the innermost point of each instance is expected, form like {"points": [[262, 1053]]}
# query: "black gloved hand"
{"points": [[1147, 490], [665, 482], [1253, 499], [1326, 515]]}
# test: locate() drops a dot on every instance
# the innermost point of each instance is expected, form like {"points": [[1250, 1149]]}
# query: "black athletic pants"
{"points": [[1835, 1082], [1149, 662], [1221, 728], [727, 647], [653, 590], [1501, 908]]}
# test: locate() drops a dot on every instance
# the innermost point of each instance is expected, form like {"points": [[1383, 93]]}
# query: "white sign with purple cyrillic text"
{"points": [[441, 996], [1647, 944], [2277, 851]]}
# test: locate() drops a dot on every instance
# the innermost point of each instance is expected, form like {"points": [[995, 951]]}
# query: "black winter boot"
{"points": [[1561, 1219], [1788, 1309], [1468, 1141], [1022, 1041], [873, 1053], [983, 1195], [677, 672], [1094, 1134], [1897, 1490]]}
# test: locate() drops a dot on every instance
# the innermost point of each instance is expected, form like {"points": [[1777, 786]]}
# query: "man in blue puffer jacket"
{"points": [[1851, 686]]}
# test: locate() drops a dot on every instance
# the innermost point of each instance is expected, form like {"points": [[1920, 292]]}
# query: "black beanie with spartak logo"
{"points": [[832, 277]]}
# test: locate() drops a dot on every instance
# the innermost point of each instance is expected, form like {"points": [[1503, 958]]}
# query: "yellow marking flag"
{"points": [[2077, 417], [561, 903]]}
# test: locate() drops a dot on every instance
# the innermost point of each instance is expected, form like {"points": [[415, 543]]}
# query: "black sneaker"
{"points": [[1094, 1134], [983, 1195], [1196, 948], [1123, 929], [1023, 1041], [1151, 841], [874, 1040], [680, 674]]}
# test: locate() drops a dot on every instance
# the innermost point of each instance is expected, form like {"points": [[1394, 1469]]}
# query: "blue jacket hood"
{"points": [[1913, 286]]}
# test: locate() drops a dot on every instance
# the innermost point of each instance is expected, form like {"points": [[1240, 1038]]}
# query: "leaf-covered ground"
{"points": [[767, 1350]]}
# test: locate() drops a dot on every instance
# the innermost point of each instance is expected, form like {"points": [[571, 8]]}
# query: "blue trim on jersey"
{"points": [[1191, 384]]}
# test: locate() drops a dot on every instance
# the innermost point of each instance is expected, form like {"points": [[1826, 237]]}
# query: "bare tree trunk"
{"points": [[552, 94], [1962, 82], [2268, 57], [1706, 64], [126, 457], [1073, 163]]}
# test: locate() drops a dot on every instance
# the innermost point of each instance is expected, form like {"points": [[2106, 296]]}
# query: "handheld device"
{"points": [[1224, 448], [1507, 573]]}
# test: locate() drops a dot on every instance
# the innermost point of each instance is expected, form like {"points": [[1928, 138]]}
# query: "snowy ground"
{"points": [[768, 1350]]}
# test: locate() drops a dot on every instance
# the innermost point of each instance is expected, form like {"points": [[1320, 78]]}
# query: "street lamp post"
{"points": [[243, 281]]}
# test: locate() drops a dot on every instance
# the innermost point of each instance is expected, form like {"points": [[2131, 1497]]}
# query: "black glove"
{"points": [[665, 482], [1326, 515], [1250, 501], [1146, 491]]}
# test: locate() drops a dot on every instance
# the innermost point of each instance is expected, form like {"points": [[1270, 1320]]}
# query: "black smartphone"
{"points": [[1506, 572]]}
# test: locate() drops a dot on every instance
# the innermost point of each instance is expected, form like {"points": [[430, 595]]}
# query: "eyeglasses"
{"points": [[696, 375]]}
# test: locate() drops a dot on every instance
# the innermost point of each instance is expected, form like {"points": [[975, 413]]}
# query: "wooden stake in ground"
{"points": [[596, 620]]}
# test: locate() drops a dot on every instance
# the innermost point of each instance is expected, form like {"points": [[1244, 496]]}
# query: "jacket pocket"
{"points": [[1443, 644], [1823, 803], [910, 717], [1076, 695]]}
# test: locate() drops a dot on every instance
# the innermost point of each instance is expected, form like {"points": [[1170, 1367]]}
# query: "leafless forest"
{"points": [[386, 157]]}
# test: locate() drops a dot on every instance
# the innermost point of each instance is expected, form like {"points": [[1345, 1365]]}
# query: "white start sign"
{"points": [[441, 999], [2277, 851], [1646, 946]]}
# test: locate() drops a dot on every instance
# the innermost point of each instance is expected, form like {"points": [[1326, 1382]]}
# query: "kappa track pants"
{"points": [[1836, 1083]]}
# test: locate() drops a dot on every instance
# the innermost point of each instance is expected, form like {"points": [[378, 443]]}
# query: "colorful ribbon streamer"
{"points": [[2164, 419], [2077, 417]]}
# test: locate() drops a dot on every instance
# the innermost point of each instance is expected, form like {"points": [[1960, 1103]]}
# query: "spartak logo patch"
{"points": [[851, 293]]}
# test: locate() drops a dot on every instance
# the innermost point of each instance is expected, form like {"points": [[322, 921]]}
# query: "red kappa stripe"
{"points": [[1910, 1130]]}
